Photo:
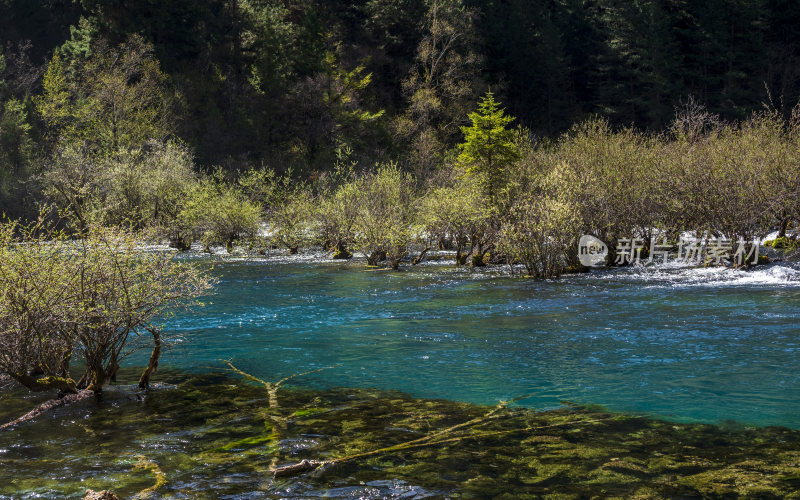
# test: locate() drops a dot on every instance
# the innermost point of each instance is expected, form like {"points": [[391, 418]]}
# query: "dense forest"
{"points": [[289, 83], [485, 123]]}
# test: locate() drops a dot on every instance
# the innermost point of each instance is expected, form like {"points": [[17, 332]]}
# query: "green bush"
{"points": [[291, 216], [385, 216], [89, 302], [217, 214]]}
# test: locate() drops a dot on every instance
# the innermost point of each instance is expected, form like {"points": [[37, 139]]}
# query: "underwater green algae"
{"points": [[211, 436]]}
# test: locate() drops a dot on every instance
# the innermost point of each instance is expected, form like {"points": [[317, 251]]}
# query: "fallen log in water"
{"points": [[298, 468], [50, 405]]}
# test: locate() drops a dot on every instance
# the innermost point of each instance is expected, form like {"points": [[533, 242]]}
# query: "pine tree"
{"points": [[488, 147]]}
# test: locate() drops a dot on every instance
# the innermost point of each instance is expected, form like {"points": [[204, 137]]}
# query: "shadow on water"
{"points": [[212, 436]]}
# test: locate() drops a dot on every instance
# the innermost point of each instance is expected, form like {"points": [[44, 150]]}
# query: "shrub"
{"points": [[538, 232], [147, 187], [384, 218], [336, 218], [457, 213], [218, 214], [91, 300], [291, 215]]}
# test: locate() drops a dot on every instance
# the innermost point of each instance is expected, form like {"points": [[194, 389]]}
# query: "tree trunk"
{"points": [[445, 244], [144, 380], [419, 257], [49, 405], [461, 258], [179, 243], [341, 252], [784, 227], [374, 258], [478, 258]]}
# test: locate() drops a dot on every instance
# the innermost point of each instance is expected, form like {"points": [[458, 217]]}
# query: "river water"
{"points": [[706, 345], [658, 382]]}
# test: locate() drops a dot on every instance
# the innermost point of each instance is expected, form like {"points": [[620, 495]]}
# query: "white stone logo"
{"points": [[592, 252]]}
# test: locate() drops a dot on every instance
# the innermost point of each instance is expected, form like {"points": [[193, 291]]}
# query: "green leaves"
{"points": [[116, 98], [217, 212], [291, 214], [54, 105], [16, 155], [488, 147], [384, 218], [95, 296], [537, 231]]}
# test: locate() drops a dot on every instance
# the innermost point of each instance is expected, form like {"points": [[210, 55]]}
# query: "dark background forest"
{"points": [[304, 85]]}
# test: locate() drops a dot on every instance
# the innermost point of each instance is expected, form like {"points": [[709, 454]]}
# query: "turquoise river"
{"points": [[683, 344], [658, 382]]}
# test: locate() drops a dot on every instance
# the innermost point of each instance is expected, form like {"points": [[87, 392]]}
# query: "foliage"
{"points": [[258, 86], [488, 147], [91, 300], [54, 104], [16, 157], [737, 183], [118, 99], [538, 233], [611, 178], [332, 111], [148, 186], [257, 184], [441, 85], [278, 95], [217, 214], [455, 215], [141, 187], [291, 215], [337, 214], [72, 179], [384, 218]]}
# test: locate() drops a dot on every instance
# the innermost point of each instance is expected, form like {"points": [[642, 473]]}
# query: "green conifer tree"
{"points": [[488, 147]]}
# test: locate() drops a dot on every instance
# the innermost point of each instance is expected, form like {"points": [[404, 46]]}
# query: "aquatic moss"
{"points": [[146, 464], [212, 436], [307, 412], [782, 243]]}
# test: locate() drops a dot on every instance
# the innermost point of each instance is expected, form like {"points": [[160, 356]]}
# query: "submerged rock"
{"points": [[99, 495]]}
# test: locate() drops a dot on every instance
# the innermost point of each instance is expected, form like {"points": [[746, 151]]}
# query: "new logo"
{"points": [[592, 252]]}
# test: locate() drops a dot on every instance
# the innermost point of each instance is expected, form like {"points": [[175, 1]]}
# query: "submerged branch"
{"points": [[428, 440], [50, 405], [442, 436], [298, 468], [433, 439], [272, 387], [279, 423], [144, 463]]}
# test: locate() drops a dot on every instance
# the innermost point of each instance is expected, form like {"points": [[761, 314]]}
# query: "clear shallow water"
{"points": [[705, 345]]}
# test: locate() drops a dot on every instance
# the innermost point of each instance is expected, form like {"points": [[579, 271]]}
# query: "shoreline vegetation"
{"points": [[228, 428], [99, 144], [503, 197]]}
